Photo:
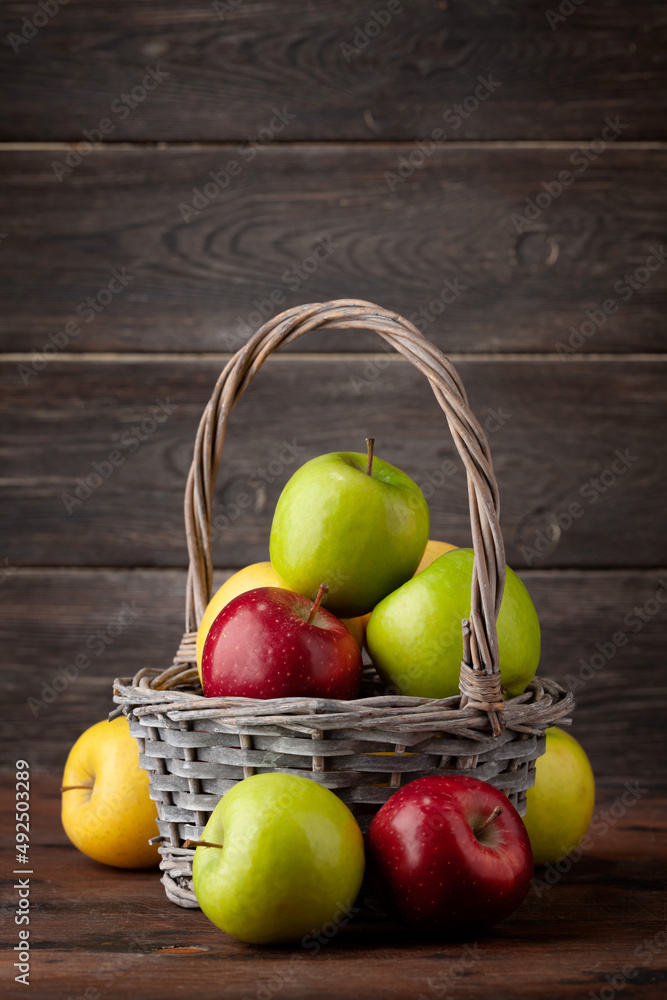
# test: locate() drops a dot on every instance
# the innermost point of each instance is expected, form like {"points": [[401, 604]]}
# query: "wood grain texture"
{"points": [[101, 929], [584, 433], [308, 224], [309, 217], [557, 80], [50, 618]]}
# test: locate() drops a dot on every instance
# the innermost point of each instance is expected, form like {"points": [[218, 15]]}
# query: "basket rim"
{"points": [[542, 702]]}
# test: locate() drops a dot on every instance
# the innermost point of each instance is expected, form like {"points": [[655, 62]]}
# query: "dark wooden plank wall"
{"points": [[557, 77], [587, 432], [350, 197], [319, 222]]}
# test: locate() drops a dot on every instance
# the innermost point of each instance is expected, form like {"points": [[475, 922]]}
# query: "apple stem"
{"points": [[70, 788], [370, 445], [318, 600], [201, 843], [489, 820]]}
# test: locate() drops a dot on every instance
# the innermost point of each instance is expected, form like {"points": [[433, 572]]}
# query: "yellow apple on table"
{"points": [[559, 807], [261, 574], [107, 812]]}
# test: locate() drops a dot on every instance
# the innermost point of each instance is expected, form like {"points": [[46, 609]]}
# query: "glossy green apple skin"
{"points": [[414, 635], [362, 535], [292, 860]]}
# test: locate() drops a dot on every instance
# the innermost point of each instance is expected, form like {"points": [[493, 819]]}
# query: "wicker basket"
{"points": [[196, 748]]}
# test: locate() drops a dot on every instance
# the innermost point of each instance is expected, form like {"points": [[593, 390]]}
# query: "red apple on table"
{"points": [[450, 854], [273, 643]]}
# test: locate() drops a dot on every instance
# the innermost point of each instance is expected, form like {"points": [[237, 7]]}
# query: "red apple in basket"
{"points": [[450, 854], [273, 643]]}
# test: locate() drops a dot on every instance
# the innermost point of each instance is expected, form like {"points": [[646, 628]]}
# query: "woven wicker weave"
{"points": [[196, 748]]}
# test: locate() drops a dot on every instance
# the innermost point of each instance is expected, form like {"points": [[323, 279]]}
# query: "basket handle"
{"points": [[480, 682]]}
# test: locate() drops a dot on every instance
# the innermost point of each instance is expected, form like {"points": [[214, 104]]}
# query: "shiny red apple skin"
{"points": [[434, 873], [261, 645]]}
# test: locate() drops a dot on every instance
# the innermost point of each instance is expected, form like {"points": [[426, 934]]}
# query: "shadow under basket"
{"points": [[195, 748]]}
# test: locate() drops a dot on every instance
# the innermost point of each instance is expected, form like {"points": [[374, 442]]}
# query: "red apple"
{"points": [[272, 643], [451, 854]]}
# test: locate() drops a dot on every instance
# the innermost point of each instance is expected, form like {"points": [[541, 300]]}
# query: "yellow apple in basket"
{"points": [[107, 812], [261, 574], [433, 550]]}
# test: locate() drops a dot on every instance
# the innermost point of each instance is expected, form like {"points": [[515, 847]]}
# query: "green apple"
{"points": [[362, 534], [291, 860], [414, 635], [559, 806]]}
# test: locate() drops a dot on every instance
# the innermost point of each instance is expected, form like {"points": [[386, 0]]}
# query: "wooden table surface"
{"points": [[97, 932]]}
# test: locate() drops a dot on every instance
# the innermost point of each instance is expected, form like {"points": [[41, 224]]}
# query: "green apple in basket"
{"points": [[280, 858], [358, 523], [414, 635]]}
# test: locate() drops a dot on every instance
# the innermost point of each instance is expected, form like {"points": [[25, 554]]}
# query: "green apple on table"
{"points": [[559, 806], [290, 859], [352, 521], [414, 635]]}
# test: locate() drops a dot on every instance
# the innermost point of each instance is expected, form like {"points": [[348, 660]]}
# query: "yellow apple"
{"points": [[432, 551], [107, 812], [261, 574], [560, 804]]}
